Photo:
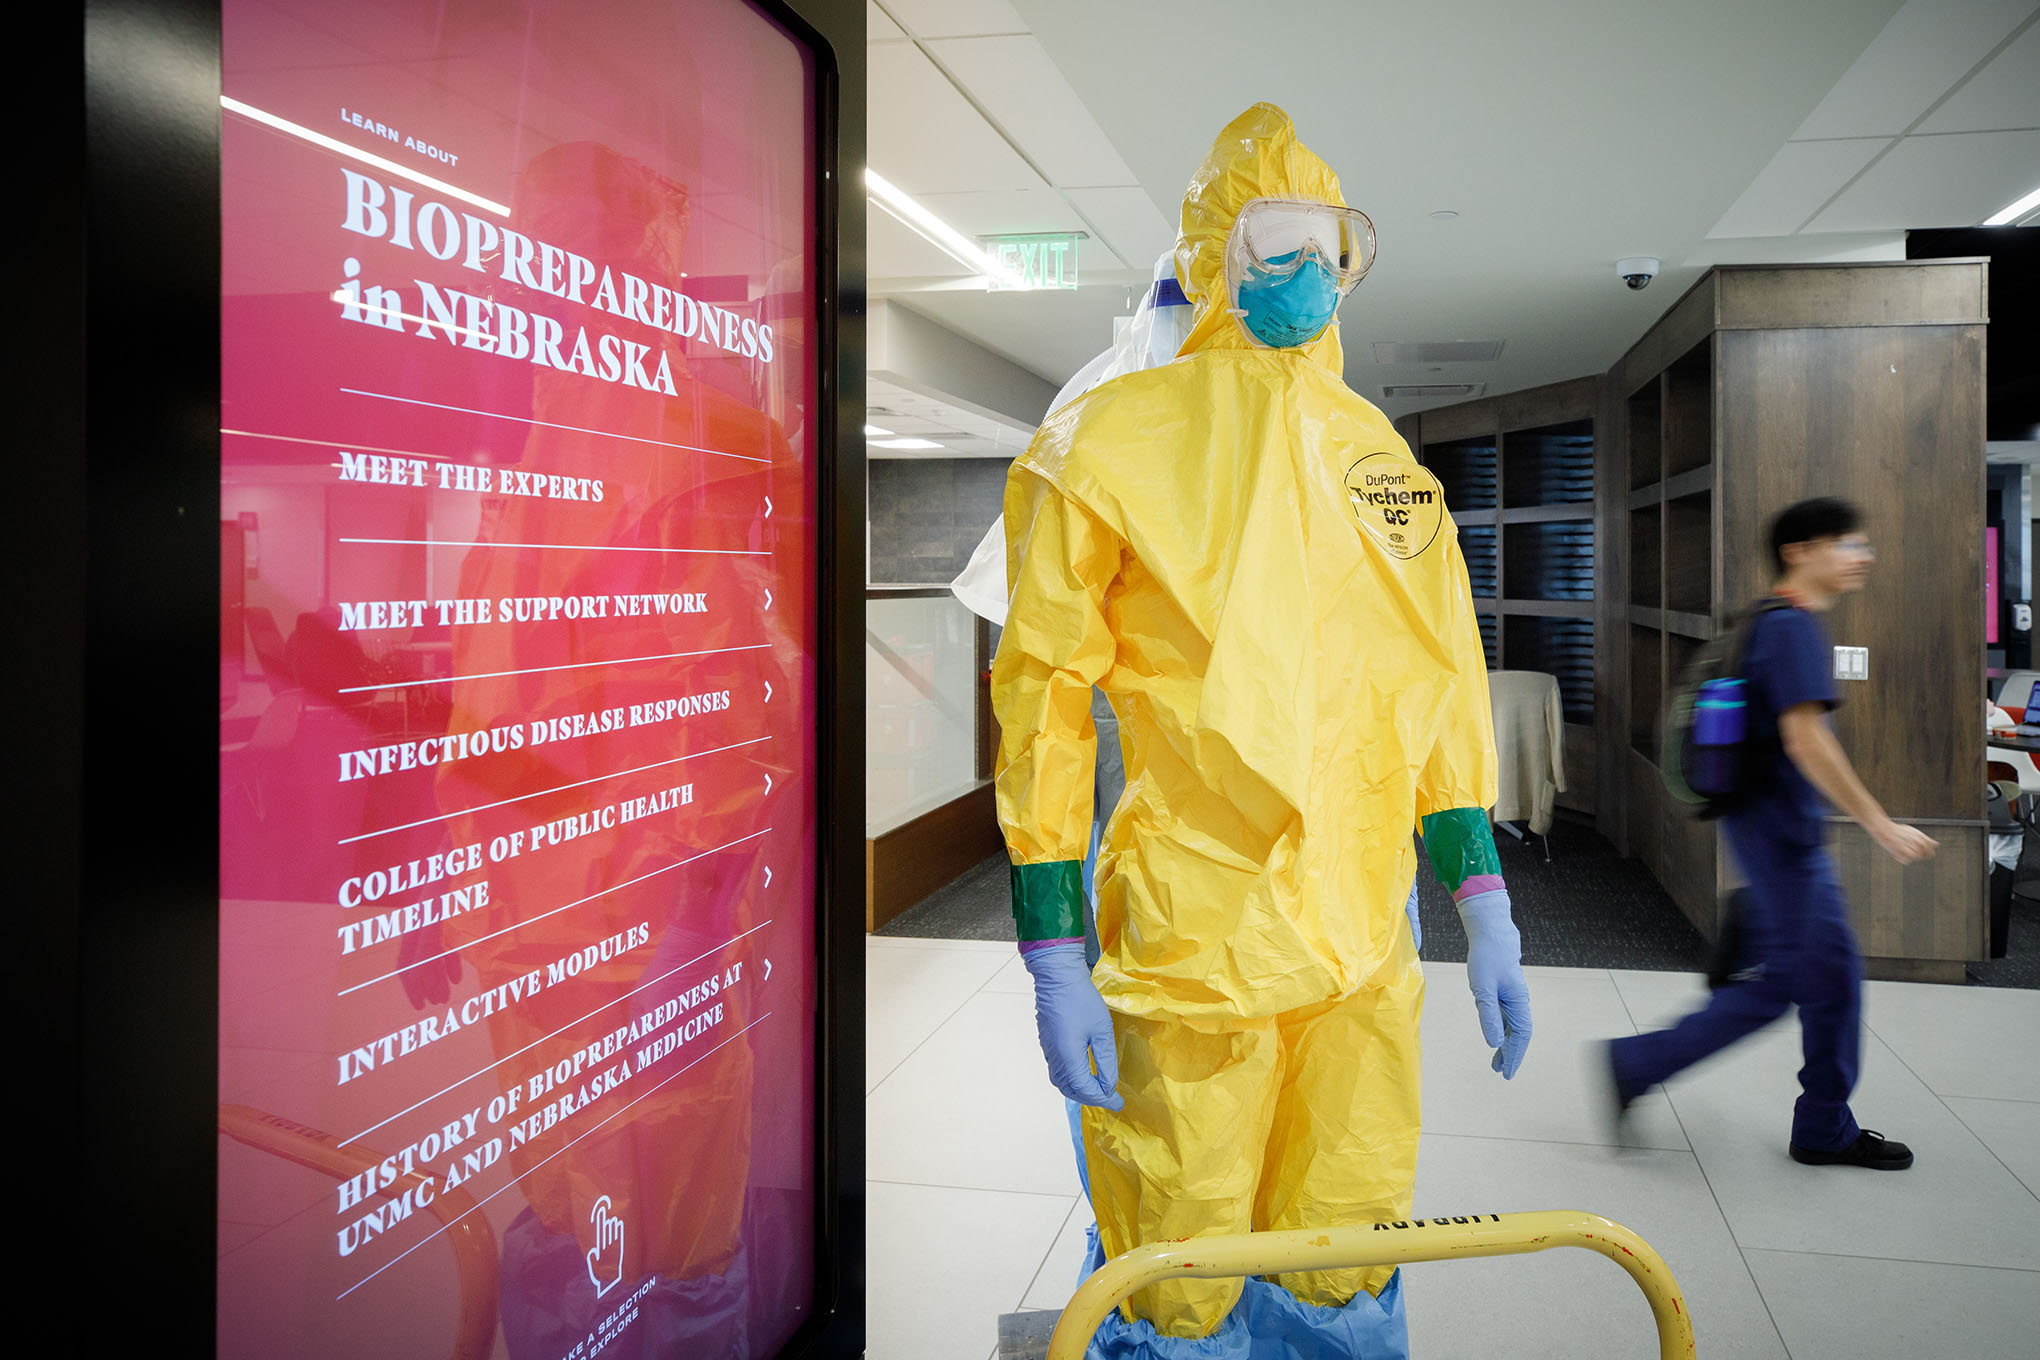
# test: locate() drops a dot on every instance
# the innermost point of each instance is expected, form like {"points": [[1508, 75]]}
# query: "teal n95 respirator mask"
{"points": [[1289, 263]]}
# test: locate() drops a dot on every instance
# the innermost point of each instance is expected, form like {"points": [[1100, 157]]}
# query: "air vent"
{"points": [[1437, 351], [1433, 389]]}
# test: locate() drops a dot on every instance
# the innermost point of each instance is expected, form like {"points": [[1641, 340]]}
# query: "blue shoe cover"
{"points": [[1283, 1327], [1268, 1323]]}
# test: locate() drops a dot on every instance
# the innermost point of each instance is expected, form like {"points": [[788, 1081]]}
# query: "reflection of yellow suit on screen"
{"points": [[676, 1167], [1294, 660]]}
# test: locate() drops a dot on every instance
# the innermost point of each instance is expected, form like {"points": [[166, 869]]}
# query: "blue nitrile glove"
{"points": [[1416, 921], [1074, 1026], [1494, 970]]}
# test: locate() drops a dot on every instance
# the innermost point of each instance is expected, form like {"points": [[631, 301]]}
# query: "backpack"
{"points": [[1705, 758]]}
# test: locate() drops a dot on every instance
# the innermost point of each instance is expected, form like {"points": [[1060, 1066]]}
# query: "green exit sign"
{"points": [[1036, 259]]}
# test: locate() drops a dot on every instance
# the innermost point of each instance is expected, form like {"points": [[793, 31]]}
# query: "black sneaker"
{"points": [[1871, 1150], [1614, 1106]]}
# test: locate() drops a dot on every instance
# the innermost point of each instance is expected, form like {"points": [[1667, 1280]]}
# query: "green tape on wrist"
{"points": [[1461, 845], [1048, 900]]}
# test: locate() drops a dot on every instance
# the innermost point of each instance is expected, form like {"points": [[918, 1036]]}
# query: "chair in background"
{"points": [[269, 645], [2009, 811]]}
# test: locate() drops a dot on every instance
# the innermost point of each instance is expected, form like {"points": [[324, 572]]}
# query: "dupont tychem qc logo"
{"points": [[1396, 501]]}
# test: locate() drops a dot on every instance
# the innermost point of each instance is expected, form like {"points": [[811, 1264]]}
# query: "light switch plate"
{"points": [[1852, 663]]}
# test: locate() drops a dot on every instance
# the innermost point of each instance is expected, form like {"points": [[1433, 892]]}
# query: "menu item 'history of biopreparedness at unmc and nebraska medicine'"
{"points": [[518, 620]]}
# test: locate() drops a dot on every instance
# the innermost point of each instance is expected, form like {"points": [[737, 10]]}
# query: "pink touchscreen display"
{"points": [[517, 698]]}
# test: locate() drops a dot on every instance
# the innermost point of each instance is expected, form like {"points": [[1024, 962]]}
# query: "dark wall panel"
{"points": [[1553, 560], [1550, 465], [1560, 647], [927, 515], [1465, 469], [1477, 545]]}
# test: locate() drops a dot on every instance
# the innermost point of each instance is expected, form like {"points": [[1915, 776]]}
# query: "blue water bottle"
{"points": [[1720, 718]]}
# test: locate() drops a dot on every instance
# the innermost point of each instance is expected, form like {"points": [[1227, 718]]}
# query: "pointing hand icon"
{"points": [[605, 1258]]}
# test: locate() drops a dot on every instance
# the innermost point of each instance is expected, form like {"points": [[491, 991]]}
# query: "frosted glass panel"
{"points": [[920, 662]]}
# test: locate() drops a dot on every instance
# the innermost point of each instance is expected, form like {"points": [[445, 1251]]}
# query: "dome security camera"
{"points": [[1637, 271]]}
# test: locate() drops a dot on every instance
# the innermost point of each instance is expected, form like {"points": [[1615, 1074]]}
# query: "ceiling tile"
{"points": [[956, 18], [925, 137], [1792, 188], [878, 24], [1014, 81], [1094, 256], [1004, 210], [897, 251], [1951, 181], [2004, 94], [1927, 47], [1128, 222]]}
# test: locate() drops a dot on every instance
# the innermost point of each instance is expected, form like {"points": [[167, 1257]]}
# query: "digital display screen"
{"points": [[517, 694], [1990, 585]]}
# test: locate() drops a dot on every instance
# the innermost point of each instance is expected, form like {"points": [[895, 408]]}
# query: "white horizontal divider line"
{"points": [[334, 144], [537, 670], [677, 968], [519, 1179], [579, 783], [582, 901], [341, 445], [554, 425], [567, 547]]}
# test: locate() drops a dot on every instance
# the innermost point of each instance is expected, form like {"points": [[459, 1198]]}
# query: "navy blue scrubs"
{"points": [[1798, 946]]}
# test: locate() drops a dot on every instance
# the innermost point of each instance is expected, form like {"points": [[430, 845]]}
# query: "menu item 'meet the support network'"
{"points": [[517, 680]]}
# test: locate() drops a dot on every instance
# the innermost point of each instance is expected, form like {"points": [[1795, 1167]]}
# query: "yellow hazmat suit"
{"points": [[1242, 553]]}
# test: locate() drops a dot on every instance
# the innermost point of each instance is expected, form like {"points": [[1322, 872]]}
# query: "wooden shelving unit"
{"points": [[1671, 552], [1519, 474], [1763, 385], [1760, 387]]}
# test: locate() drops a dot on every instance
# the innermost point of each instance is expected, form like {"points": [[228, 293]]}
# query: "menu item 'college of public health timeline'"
{"points": [[517, 680]]}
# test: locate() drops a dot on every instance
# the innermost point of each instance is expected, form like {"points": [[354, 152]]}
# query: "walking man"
{"points": [[1798, 948]]}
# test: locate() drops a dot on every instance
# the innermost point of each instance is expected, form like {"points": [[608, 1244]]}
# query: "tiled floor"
{"points": [[976, 1211]]}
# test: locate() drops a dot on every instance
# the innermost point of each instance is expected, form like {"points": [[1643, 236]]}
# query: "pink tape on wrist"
{"points": [[1480, 883]]}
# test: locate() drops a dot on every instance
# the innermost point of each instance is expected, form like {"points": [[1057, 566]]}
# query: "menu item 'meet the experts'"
{"points": [[517, 680]]}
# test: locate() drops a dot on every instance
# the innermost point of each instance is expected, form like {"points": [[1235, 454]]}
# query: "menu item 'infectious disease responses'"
{"points": [[517, 680]]}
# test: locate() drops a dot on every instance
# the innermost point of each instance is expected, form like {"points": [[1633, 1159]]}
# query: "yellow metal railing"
{"points": [[1376, 1244]]}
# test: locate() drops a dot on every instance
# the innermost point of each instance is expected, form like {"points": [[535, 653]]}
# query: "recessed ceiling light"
{"points": [[874, 432], [2011, 212], [904, 444], [1444, 215]]}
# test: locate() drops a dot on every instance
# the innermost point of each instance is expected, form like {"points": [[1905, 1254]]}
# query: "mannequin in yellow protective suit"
{"points": [[1242, 554]]}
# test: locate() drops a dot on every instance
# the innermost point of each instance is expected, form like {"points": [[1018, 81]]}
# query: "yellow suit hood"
{"points": [[1257, 155]]}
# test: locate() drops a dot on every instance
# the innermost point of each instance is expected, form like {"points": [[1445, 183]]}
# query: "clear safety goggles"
{"points": [[1293, 230]]}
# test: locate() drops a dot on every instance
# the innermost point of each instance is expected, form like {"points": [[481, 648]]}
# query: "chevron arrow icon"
{"points": [[768, 691], [768, 599], [768, 507], [768, 970], [768, 783], [768, 875]]}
